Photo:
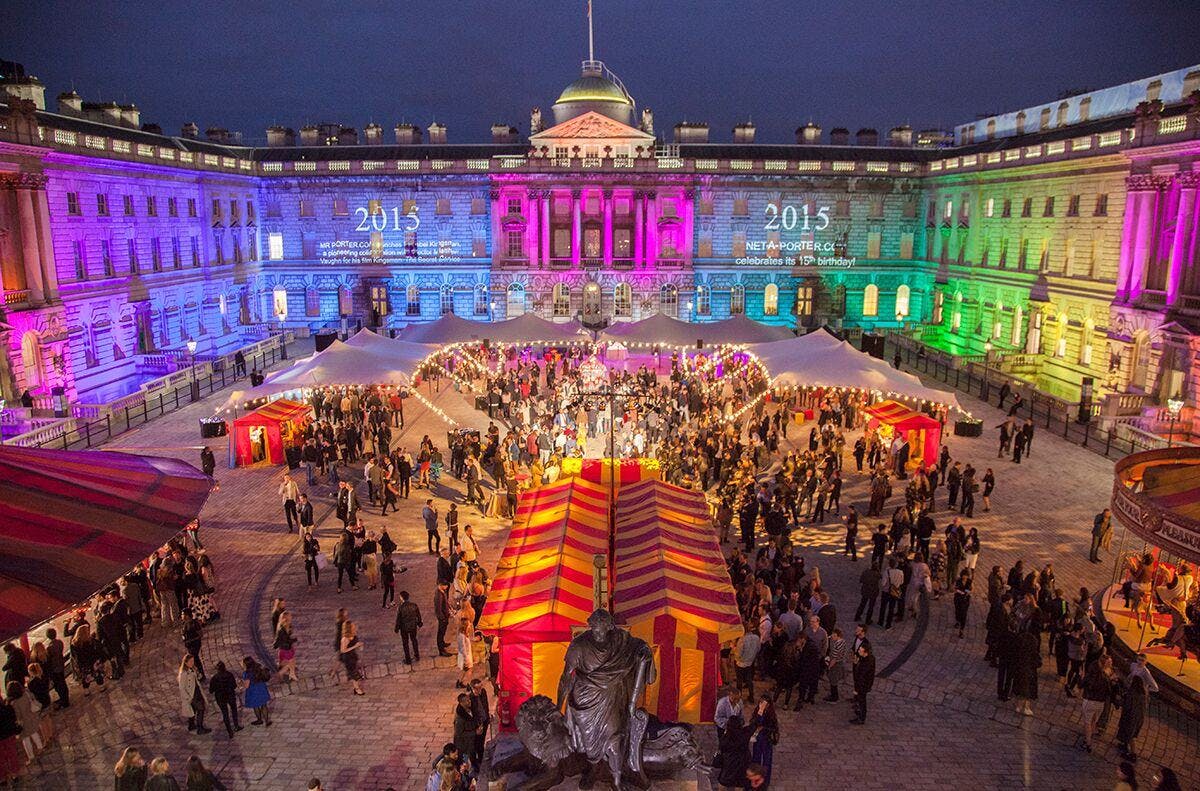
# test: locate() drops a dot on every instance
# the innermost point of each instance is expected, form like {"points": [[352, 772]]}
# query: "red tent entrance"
{"points": [[263, 434], [923, 433]]}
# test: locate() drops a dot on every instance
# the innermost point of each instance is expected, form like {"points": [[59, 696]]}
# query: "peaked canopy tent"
{"points": [[821, 360], [269, 430], [447, 329], [923, 433], [72, 522], [543, 587], [659, 329], [671, 588], [741, 329], [531, 328]]}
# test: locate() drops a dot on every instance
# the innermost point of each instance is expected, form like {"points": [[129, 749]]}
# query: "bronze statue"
{"points": [[605, 672]]}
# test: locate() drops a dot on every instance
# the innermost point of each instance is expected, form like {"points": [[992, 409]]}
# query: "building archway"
{"points": [[31, 360], [1141, 361], [515, 301], [592, 303]]}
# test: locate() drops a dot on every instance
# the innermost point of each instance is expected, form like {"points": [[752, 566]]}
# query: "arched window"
{"points": [[771, 300], [1085, 342], [668, 300], [515, 305], [870, 300], [481, 300], [412, 296], [279, 299], [562, 300], [31, 359], [1015, 338], [956, 317], [447, 301], [903, 294], [939, 306], [737, 300], [703, 303], [622, 300], [998, 320]]}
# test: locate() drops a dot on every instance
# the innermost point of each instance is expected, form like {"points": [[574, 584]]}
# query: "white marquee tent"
{"points": [[742, 329], [821, 360]]}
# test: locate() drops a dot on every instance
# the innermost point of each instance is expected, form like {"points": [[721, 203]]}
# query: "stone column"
{"points": [[1133, 205], [639, 199], [30, 247], [576, 227], [689, 223], [545, 229], [499, 250], [606, 205], [1150, 190], [532, 240], [1184, 230]]}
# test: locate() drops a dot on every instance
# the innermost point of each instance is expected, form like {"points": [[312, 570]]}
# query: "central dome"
{"points": [[594, 91]]}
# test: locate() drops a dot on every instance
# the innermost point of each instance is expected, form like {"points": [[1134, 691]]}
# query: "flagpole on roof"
{"points": [[591, 54]]}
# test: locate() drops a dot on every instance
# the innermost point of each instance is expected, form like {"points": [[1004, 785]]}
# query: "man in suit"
{"points": [[305, 513], [56, 668], [347, 503], [441, 610], [408, 621]]}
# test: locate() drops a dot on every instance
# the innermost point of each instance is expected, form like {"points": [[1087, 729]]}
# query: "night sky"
{"points": [[780, 63]]}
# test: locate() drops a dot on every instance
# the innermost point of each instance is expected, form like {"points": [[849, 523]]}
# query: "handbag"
{"points": [[322, 561]]}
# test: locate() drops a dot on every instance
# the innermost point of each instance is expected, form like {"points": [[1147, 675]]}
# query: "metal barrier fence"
{"points": [[1112, 437]]}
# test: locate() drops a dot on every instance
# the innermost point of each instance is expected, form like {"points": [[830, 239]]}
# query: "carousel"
{"points": [[1152, 599]]}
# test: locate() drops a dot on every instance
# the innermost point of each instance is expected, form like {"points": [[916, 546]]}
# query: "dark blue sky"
{"points": [[247, 65]]}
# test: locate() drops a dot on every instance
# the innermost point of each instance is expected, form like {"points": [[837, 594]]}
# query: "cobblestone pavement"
{"points": [[933, 719]]}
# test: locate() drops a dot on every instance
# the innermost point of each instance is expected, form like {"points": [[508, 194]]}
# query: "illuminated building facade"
{"points": [[1063, 239]]}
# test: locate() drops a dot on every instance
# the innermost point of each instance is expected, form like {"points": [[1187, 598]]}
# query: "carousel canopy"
{"points": [[72, 522], [367, 362], [821, 360]]}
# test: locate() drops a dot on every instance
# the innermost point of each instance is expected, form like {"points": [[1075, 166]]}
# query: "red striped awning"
{"points": [[72, 522]]}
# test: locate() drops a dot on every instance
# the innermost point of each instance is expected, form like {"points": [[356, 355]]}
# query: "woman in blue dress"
{"points": [[258, 696], [765, 736]]}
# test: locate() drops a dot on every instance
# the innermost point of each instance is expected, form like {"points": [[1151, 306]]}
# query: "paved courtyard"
{"points": [[934, 719]]}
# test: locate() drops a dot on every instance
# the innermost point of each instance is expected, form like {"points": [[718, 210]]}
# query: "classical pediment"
{"points": [[592, 126]]}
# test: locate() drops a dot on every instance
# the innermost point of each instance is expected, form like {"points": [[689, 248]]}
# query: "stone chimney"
{"points": [[808, 135], [839, 136], [647, 120], [901, 136], [29, 88], [347, 136], [131, 116], [535, 120], [503, 133], [866, 137], [310, 135], [373, 134], [70, 103], [437, 134], [691, 132], [279, 136], [217, 134], [744, 132], [190, 131], [108, 113], [408, 134]]}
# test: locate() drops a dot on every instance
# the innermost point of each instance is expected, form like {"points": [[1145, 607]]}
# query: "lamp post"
{"points": [[987, 361], [1174, 406], [195, 385]]}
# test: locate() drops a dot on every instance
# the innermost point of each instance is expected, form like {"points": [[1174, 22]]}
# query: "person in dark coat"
{"points": [[734, 745], [808, 671], [1026, 659], [864, 679], [464, 725], [1134, 704], [224, 689]]}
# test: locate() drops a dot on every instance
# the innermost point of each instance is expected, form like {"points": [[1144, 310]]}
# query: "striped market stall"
{"points": [[671, 588], [543, 587]]}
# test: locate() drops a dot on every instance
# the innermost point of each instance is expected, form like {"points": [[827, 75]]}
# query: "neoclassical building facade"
{"points": [[1058, 241]]}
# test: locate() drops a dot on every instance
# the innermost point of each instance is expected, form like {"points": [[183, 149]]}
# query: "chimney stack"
{"points": [[131, 115], [373, 134], [503, 133], [107, 113], [901, 136], [867, 137], [437, 134], [217, 134], [839, 136], [808, 135], [29, 88], [408, 134], [310, 135], [347, 136], [70, 103], [279, 136], [689, 132], [744, 132], [190, 131]]}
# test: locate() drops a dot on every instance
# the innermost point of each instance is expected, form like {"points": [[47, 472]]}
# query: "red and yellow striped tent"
{"points": [[276, 421], [924, 434], [543, 586], [671, 588]]}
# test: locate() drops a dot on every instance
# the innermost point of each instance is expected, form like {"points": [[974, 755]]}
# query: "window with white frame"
{"points": [[622, 300], [903, 295], [870, 300], [561, 296], [771, 300], [446, 305], [737, 300], [275, 246], [703, 301], [804, 300], [668, 300], [412, 298], [481, 300]]}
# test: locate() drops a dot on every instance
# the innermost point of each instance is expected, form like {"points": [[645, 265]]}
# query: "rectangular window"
{"points": [[738, 249], [340, 207], [874, 243], [841, 208], [172, 207], [106, 252], [737, 301], [443, 206], [1073, 206], [906, 245], [216, 209], [514, 245], [1101, 205], [191, 207], [275, 246], [410, 244], [80, 261], [128, 205], [151, 206], [478, 206], [133, 257], [1006, 209], [101, 204], [1027, 208], [741, 207], [989, 207], [374, 207], [249, 212], [408, 207], [219, 247], [622, 244], [73, 204], [377, 245], [562, 243], [804, 301], [514, 207], [176, 253], [195, 253], [156, 254], [234, 210], [1048, 210], [306, 208]]}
